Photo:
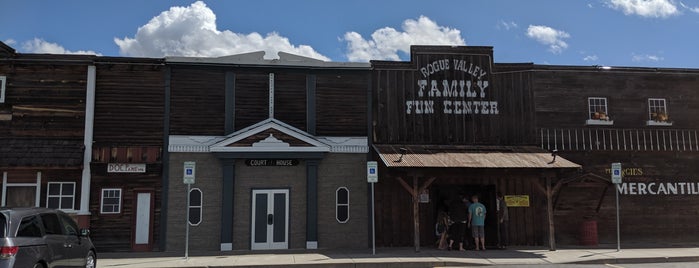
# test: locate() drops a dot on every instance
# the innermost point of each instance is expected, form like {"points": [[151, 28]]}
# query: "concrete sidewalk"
{"points": [[401, 257]]}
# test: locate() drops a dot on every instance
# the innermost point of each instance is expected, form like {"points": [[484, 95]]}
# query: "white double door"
{"points": [[270, 219]]}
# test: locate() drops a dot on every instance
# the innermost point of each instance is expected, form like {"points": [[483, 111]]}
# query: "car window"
{"points": [[52, 225], [29, 227], [69, 226], [3, 225]]}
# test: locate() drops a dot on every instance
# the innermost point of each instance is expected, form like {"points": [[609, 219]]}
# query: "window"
{"points": [[111, 201], [52, 226], [657, 113], [342, 205], [29, 227], [60, 195], [3, 79], [597, 111], [69, 225], [195, 206]]}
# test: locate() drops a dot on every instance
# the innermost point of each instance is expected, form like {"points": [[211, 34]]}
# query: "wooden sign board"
{"points": [[517, 200]]}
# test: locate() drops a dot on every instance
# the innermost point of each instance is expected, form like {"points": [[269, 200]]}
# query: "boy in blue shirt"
{"points": [[476, 220]]}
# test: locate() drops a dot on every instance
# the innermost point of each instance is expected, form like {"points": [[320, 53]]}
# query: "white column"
{"points": [[4, 188], [87, 154], [38, 189], [271, 95]]}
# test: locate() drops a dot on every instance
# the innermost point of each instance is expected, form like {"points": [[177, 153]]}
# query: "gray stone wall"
{"points": [[342, 170], [249, 178], [206, 236]]}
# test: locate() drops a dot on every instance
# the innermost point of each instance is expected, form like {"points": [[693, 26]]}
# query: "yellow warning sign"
{"points": [[517, 200]]}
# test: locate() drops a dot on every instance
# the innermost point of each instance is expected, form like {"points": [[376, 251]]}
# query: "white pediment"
{"points": [[270, 143]]}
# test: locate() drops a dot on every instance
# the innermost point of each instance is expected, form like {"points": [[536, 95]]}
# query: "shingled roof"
{"points": [[40, 152]]}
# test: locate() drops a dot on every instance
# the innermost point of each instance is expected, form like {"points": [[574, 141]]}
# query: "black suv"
{"points": [[43, 238]]}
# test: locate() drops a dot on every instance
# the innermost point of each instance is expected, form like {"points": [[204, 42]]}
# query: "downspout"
{"points": [[84, 213]]}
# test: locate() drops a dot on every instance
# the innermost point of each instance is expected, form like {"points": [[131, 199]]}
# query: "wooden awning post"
{"points": [[416, 214], [414, 192], [549, 210]]}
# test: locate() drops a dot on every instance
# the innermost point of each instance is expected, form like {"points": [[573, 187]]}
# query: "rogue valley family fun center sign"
{"points": [[468, 94]]}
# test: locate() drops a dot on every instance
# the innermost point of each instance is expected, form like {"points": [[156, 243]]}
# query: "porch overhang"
{"points": [[461, 156]]}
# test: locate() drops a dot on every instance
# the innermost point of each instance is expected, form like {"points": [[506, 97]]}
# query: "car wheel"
{"points": [[90, 260], [38, 265]]}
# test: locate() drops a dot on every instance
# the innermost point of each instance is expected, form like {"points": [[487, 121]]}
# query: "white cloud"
{"points": [[10, 42], [693, 9], [191, 31], [507, 25], [549, 36], [646, 58], [38, 45], [645, 8], [385, 43], [590, 58]]}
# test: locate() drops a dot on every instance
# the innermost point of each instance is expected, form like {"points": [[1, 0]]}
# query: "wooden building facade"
{"points": [[43, 115], [279, 148], [450, 122]]}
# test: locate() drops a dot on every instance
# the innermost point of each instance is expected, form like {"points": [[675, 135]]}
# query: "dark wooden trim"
{"points": [[312, 200], [311, 104], [166, 162], [230, 103]]}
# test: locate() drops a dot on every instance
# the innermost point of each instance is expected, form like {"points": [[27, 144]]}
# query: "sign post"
{"points": [[372, 176], [188, 178], [616, 180]]}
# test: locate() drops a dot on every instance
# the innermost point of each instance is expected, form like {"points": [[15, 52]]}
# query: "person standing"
{"points": [[457, 213], [503, 219], [476, 220]]}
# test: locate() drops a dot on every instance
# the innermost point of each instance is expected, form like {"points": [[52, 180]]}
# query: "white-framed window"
{"points": [[20, 194], [196, 204], [111, 201], [597, 111], [3, 81], [60, 195], [342, 204], [657, 112]]}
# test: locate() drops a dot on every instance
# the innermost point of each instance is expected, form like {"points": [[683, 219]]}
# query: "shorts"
{"points": [[478, 231]]}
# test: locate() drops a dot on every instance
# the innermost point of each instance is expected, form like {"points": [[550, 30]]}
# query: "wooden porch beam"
{"points": [[549, 210], [416, 215], [406, 186], [427, 184]]}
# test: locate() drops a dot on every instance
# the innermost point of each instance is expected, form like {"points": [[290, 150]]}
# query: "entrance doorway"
{"points": [[270, 219], [142, 238], [445, 194]]}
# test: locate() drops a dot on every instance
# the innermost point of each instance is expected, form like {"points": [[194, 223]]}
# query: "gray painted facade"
{"points": [[334, 170]]}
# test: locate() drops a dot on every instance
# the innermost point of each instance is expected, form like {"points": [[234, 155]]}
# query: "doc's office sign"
{"points": [[453, 85], [126, 168]]}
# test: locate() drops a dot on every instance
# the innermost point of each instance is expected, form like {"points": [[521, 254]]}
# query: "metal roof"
{"points": [[459, 156]]}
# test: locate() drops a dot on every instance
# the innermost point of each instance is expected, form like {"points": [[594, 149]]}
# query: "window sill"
{"points": [[658, 123], [597, 122]]}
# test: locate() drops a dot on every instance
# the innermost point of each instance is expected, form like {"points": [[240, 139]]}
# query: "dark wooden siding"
{"points": [[113, 232], [400, 103], [341, 101], [251, 98], [645, 218], [290, 99], [43, 99], [561, 96], [197, 101], [129, 104]]}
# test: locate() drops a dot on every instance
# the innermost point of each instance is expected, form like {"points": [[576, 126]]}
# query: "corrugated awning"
{"points": [[456, 156]]}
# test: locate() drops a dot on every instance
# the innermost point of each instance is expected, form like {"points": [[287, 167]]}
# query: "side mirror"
{"points": [[84, 232]]}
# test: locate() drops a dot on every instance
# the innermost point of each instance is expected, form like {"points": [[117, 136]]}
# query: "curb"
{"points": [[639, 260]]}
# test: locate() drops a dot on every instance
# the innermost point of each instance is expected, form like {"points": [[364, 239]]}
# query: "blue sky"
{"points": [[653, 33]]}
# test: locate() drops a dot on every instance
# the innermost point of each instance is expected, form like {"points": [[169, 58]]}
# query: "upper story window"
{"points": [[342, 204], [657, 113], [3, 79], [598, 113]]}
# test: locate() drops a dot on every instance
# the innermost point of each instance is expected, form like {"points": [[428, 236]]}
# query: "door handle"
{"points": [[270, 219]]}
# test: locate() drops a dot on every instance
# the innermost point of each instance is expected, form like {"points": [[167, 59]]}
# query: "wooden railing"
{"points": [[611, 139]]}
